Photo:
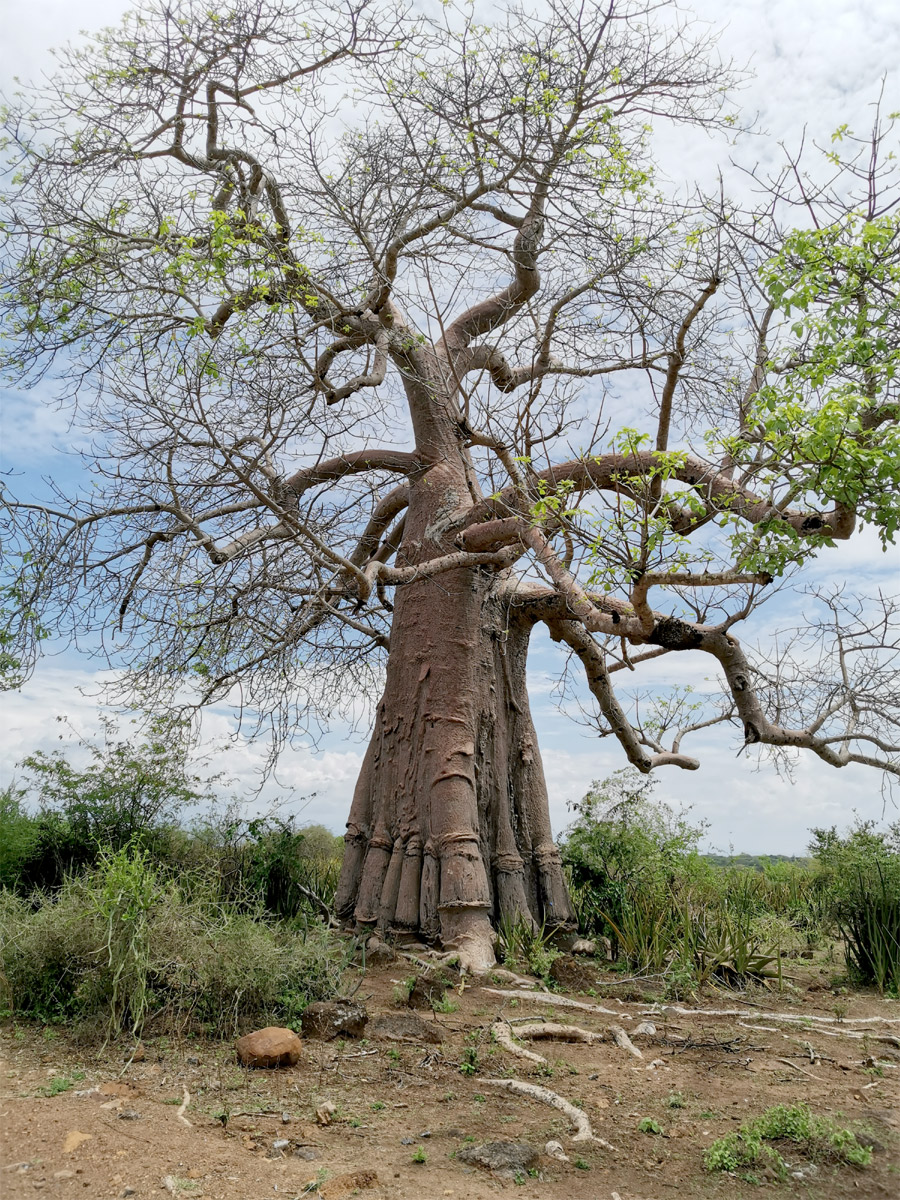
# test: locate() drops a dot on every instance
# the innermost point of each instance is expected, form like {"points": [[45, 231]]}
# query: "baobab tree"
{"points": [[392, 347]]}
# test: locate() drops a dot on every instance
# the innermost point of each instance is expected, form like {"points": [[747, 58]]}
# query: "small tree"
{"points": [[130, 792], [392, 347]]}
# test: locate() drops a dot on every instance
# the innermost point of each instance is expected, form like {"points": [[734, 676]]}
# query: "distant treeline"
{"points": [[755, 862]]}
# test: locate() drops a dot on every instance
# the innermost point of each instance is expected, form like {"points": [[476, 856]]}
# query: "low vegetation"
{"points": [[816, 1138], [118, 911], [681, 917]]}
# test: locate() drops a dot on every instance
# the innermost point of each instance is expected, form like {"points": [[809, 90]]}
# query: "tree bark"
{"points": [[449, 831]]}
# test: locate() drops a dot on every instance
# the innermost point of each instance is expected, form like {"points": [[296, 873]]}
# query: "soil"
{"points": [[116, 1131]]}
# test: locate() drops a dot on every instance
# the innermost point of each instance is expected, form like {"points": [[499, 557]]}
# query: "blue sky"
{"points": [[819, 63]]}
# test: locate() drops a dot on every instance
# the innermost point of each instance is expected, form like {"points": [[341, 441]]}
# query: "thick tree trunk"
{"points": [[449, 831]]}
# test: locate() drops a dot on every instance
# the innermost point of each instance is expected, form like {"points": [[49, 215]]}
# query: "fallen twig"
{"points": [[578, 1118], [796, 1067]]}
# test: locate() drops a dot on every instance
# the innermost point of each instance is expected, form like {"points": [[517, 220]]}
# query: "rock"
{"points": [[405, 1027], [873, 1144], [379, 953], [129, 1191], [571, 974], [306, 1152], [505, 1159], [270, 1047], [646, 1027], [285, 1118], [555, 1150], [280, 1144], [328, 1019]]}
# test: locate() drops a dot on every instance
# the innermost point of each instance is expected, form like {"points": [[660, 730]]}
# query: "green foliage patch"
{"points": [[816, 1138]]}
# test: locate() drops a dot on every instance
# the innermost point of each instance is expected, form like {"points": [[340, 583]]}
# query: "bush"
{"points": [[129, 790], [862, 873], [121, 942], [625, 845], [817, 1137], [19, 833]]}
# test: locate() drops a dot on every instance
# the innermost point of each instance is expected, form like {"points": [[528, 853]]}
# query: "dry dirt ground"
{"points": [[404, 1110]]}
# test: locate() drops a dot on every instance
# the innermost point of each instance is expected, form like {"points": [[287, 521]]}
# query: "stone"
{"points": [[306, 1152], [379, 953], [330, 1019], [405, 1027], [270, 1047], [504, 1159]]}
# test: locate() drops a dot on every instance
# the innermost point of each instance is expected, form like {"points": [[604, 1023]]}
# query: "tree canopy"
{"points": [[289, 260]]}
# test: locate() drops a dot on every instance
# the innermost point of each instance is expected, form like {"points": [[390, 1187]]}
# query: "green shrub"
{"points": [[129, 790], [19, 833], [862, 873], [624, 853], [819, 1138], [122, 941]]}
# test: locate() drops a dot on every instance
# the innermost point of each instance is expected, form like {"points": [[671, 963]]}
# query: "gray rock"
{"points": [[379, 953], [405, 1027], [305, 1152], [504, 1159], [330, 1019], [280, 1144]]}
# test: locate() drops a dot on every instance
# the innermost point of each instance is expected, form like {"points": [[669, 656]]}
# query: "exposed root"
{"points": [[621, 1038], [744, 1014], [584, 1132], [557, 1033], [558, 1001], [503, 976], [503, 1037]]}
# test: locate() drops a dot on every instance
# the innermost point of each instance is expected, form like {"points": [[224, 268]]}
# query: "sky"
{"points": [[814, 63]]}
